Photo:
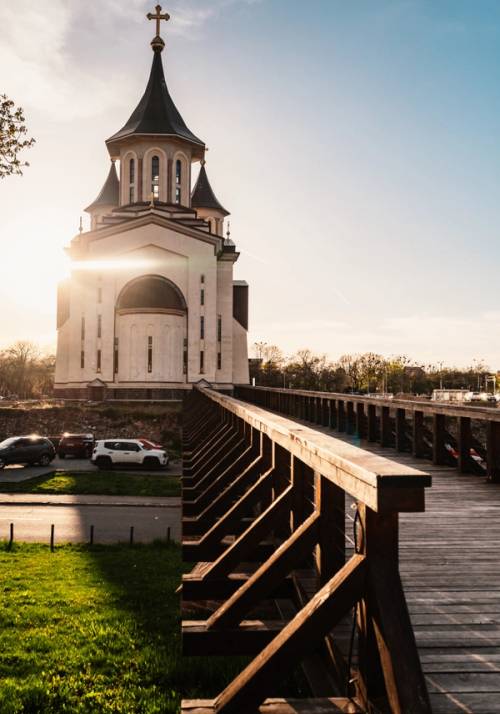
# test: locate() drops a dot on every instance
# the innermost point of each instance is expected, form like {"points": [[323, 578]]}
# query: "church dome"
{"points": [[150, 293]]}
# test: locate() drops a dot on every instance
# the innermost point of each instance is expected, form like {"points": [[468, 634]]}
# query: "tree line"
{"points": [[362, 373], [25, 372]]}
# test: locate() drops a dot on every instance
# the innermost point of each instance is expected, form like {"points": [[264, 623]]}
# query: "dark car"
{"points": [[26, 450], [80, 445]]}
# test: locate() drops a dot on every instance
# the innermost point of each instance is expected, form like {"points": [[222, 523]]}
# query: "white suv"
{"points": [[127, 452]]}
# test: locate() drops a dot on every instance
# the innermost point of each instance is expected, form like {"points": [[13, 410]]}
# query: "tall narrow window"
{"points": [[202, 296], [178, 180], [185, 357], [155, 177], [202, 361], [99, 295], [82, 329], [202, 328], [219, 360], [202, 278], [99, 325], [131, 181], [150, 354], [116, 356], [82, 359], [98, 360], [219, 328]]}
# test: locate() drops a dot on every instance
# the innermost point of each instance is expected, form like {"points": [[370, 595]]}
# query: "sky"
{"points": [[356, 145]]}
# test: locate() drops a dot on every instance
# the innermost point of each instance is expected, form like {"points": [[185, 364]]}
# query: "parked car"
{"points": [[26, 450], [127, 452], [148, 444], [80, 445]]}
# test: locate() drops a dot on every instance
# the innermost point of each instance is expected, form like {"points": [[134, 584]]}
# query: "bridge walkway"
{"points": [[450, 568]]}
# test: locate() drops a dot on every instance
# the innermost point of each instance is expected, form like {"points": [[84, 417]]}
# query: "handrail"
{"points": [[262, 490], [371, 478], [467, 437], [423, 405]]}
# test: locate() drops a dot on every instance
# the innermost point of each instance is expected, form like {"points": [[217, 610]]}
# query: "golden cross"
{"points": [[158, 17]]}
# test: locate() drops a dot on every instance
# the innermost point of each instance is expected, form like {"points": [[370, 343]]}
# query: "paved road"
{"points": [[72, 522]]}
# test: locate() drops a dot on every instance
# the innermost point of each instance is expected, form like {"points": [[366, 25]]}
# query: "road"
{"points": [[72, 521]]}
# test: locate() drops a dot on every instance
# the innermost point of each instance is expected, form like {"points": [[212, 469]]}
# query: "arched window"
{"points": [[131, 181], [155, 177], [151, 292], [178, 180]]}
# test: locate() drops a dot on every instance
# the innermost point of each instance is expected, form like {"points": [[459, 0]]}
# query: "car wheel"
{"points": [[45, 460], [2, 464], [151, 462], [104, 463]]}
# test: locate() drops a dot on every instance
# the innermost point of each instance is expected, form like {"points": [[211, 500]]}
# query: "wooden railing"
{"points": [[449, 434], [265, 507]]}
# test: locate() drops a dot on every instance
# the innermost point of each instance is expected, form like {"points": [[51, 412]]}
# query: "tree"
{"points": [[24, 372], [12, 137]]}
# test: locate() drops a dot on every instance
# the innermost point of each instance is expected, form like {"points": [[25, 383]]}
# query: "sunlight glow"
{"points": [[112, 264]]}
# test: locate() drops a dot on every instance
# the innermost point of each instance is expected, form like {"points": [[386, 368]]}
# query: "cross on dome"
{"points": [[157, 42]]}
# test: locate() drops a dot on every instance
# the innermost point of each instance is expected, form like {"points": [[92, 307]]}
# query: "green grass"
{"points": [[105, 483], [89, 630]]}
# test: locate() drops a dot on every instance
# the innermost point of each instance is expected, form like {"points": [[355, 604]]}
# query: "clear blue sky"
{"points": [[356, 145]]}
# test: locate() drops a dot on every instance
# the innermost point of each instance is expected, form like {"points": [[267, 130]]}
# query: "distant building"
{"points": [[451, 395], [151, 307]]}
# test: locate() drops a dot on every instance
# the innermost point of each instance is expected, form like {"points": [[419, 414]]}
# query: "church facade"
{"points": [[151, 307]]}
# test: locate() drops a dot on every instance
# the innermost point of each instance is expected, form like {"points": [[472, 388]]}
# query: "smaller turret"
{"points": [[206, 203], [108, 198]]}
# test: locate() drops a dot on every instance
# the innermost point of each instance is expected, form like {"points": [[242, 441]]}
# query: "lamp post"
{"points": [[440, 375]]}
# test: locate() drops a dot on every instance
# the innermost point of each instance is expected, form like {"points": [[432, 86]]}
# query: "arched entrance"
{"points": [[151, 331]]}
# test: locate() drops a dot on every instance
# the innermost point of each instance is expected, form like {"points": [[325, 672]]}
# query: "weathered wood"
{"points": [[418, 446], [385, 427], [248, 540], [249, 638], [351, 420], [195, 587], [439, 453], [330, 551], [493, 451], [464, 438], [372, 430], [303, 634], [289, 555], [329, 705], [360, 421], [400, 429]]}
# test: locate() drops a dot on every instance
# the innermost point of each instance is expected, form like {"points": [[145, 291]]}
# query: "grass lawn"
{"points": [[96, 630], [106, 483]]}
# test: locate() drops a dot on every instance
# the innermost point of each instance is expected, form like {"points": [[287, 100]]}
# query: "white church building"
{"points": [[151, 307]]}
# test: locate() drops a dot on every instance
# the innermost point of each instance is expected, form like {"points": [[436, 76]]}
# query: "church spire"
{"points": [[203, 195], [110, 193], [156, 113]]}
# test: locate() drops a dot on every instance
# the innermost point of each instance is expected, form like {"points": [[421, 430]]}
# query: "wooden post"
{"points": [[350, 418], [131, 538], [464, 434], [493, 451], [417, 447], [400, 429], [333, 414], [341, 415], [385, 427], [330, 551], [325, 412], [439, 455], [11, 536], [360, 420], [168, 535], [388, 657], [372, 422], [91, 539], [282, 480], [299, 476], [52, 537]]}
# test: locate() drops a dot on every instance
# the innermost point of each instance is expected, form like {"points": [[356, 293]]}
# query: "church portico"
{"points": [[152, 306]]}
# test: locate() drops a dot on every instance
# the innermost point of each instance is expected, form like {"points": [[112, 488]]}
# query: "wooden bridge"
{"points": [[317, 543]]}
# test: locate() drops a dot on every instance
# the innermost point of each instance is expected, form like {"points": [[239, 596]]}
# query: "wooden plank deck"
{"points": [[450, 567]]}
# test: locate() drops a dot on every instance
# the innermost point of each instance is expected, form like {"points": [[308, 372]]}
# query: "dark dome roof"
{"points": [[151, 292], [110, 192], [203, 195], [156, 113]]}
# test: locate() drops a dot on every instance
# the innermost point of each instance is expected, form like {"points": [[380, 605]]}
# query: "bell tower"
{"points": [[155, 147]]}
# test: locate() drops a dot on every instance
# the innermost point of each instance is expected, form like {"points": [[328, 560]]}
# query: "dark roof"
{"points": [[110, 192], [156, 113], [203, 195]]}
